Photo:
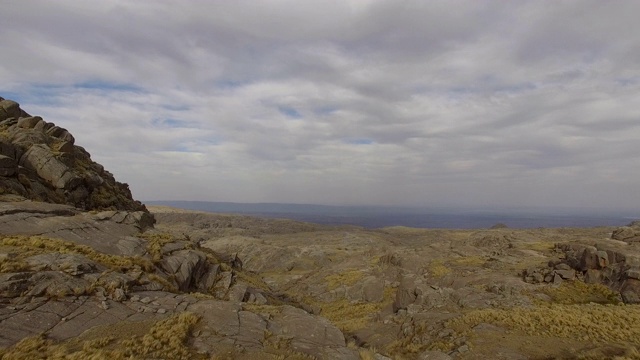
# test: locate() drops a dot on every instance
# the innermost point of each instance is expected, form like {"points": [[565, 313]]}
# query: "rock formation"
{"points": [[40, 161]]}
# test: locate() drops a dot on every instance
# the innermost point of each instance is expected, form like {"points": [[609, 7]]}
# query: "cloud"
{"points": [[483, 104]]}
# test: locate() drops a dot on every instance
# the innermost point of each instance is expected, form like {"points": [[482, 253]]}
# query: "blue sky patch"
{"points": [[107, 86], [289, 112], [169, 122], [359, 141]]}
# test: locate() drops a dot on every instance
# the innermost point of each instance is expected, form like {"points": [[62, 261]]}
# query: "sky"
{"points": [[470, 104]]}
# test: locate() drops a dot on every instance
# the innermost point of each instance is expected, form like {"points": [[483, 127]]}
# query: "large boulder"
{"points": [[40, 161], [623, 233]]}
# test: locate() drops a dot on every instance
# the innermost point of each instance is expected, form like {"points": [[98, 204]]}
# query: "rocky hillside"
{"points": [[40, 161], [105, 284]]}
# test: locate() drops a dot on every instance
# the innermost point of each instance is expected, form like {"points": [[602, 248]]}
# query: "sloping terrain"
{"points": [[86, 273]]}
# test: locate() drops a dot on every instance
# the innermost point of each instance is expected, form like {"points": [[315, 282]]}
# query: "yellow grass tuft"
{"points": [[578, 292], [34, 245], [349, 316], [438, 269], [165, 340], [349, 277], [155, 242], [587, 322]]}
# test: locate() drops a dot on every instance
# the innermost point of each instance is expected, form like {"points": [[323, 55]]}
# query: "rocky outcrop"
{"points": [[40, 161]]}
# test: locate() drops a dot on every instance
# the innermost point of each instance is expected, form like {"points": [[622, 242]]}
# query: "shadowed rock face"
{"points": [[40, 161]]}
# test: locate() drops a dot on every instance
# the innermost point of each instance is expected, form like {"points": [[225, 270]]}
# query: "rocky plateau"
{"points": [[88, 272]]}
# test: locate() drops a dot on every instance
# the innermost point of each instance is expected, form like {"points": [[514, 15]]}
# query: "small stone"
{"points": [[104, 305], [145, 300], [557, 279], [567, 274], [119, 295], [135, 298], [463, 349], [562, 266], [161, 311]]}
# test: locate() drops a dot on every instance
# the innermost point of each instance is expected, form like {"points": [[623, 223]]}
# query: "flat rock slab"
{"points": [[68, 317], [68, 223]]}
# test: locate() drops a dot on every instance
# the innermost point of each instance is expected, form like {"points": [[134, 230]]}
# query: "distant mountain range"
{"points": [[376, 217]]}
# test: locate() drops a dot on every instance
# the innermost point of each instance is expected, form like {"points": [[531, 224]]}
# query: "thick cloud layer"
{"points": [[439, 103]]}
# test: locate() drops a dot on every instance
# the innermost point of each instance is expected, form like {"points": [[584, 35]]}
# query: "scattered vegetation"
{"points": [[350, 316], [588, 322], [578, 292], [438, 269], [348, 278], [166, 339], [468, 261], [155, 242], [34, 245]]}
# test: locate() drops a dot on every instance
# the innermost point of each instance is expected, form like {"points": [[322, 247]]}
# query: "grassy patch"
{"points": [[438, 269], [578, 292], [348, 316], [165, 339], [155, 242], [587, 322], [348, 278], [34, 245]]}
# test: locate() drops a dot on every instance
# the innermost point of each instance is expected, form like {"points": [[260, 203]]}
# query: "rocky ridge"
{"points": [[40, 161]]}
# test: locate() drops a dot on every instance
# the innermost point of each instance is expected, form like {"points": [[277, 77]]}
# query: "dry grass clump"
{"points": [[578, 292], [165, 340], [348, 278], [34, 245], [587, 322], [468, 261], [155, 242], [349, 316], [249, 278], [438, 269], [13, 263], [262, 309], [366, 354]]}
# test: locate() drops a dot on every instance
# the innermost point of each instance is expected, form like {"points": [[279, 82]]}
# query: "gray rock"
{"points": [[632, 273], [405, 294], [309, 334], [566, 274], [373, 289], [623, 233], [119, 295], [603, 259], [72, 264], [593, 276], [186, 266], [237, 293], [29, 122], [9, 109], [40, 159], [630, 291], [8, 166]]}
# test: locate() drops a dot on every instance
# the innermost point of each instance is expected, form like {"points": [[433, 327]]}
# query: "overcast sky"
{"points": [[428, 103]]}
